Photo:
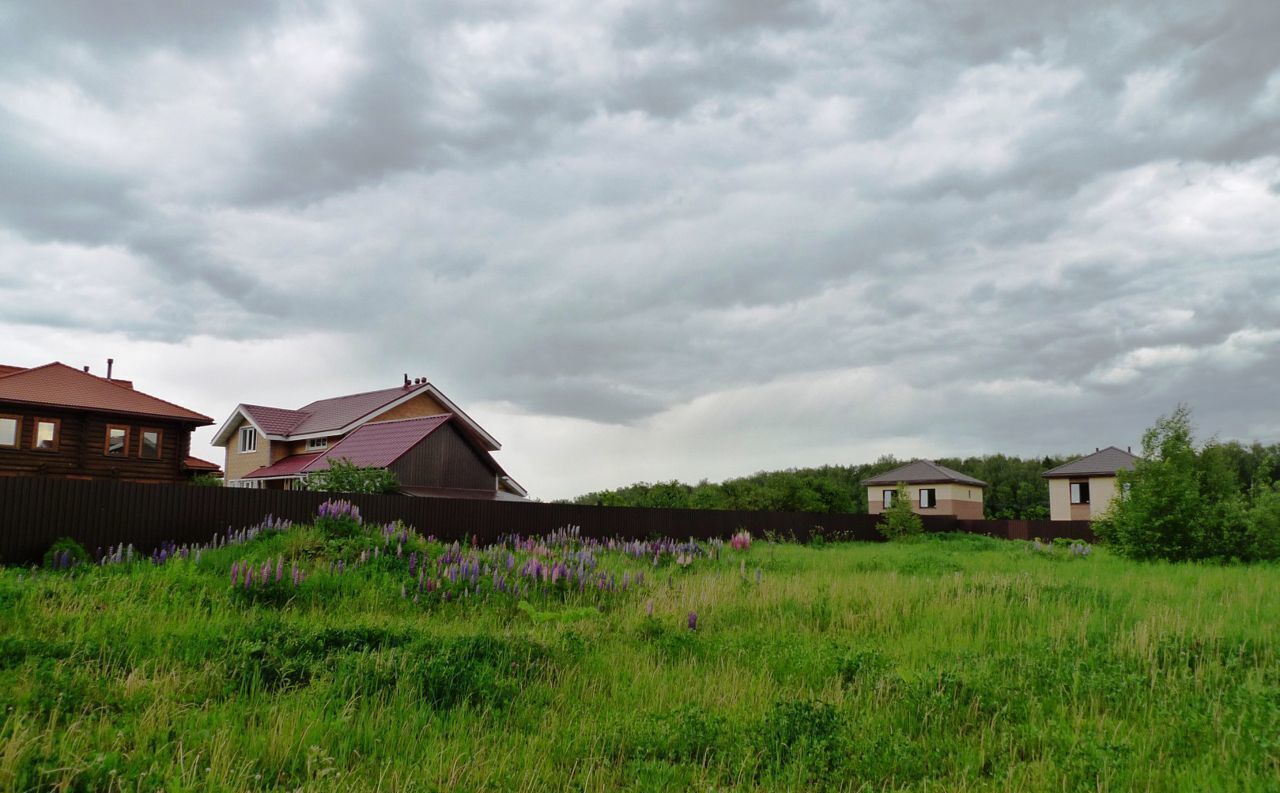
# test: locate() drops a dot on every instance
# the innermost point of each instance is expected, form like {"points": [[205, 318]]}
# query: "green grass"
{"points": [[951, 664]]}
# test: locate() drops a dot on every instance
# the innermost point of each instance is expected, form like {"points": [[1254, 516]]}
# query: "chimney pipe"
{"points": [[86, 370], [406, 379], [110, 363]]}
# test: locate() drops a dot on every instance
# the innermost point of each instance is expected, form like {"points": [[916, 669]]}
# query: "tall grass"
{"points": [[957, 664]]}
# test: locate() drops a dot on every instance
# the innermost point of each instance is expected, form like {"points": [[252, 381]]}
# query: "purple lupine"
{"points": [[693, 620], [296, 578], [279, 568], [248, 577], [235, 573], [413, 561]]}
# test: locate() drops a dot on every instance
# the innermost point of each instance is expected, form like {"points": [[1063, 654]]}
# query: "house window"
{"points": [[928, 498], [150, 444], [47, 434], [886, 499], [117, 441], [9, 427], [246, 484], [317, 443], [248, 439], [1079, 492]]}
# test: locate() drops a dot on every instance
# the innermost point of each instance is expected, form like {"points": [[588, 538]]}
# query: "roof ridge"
{"points": [[414, 387]]}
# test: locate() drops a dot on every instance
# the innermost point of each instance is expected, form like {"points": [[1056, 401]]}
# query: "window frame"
{"points": [[57, 435], [317, 444], [933, 498], [124, 448], [886, 498], [17, 431], [142, 436], [240, 444], [1079, 493]]}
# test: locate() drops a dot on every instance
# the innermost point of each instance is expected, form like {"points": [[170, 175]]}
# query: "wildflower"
{"points": [[279, 568], [235, 573], [693, 620]]}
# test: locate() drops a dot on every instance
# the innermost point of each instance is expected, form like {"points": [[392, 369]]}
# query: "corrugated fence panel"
{"points": [[36, 511]]}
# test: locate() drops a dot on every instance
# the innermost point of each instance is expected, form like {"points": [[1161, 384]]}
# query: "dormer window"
{"points": [[248, 439], [315, 444]]}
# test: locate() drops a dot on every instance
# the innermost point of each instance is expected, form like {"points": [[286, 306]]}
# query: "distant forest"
{"points": [[1017, 490]]}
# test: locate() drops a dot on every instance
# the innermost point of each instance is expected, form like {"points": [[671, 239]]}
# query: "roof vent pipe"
{"points": [[86, 370], [406, 379], [110, 363]]}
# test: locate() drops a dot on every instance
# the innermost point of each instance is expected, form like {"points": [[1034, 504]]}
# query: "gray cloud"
{"points": [[924, 227]]}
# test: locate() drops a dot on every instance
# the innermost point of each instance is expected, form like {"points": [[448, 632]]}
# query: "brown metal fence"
{"points": [[34, 512]]}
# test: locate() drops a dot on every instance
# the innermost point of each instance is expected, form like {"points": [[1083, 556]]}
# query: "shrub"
{"points": [[206, 480], [344, 476], [338, 518], [900, 521], [65, 554], [1180, 503]]}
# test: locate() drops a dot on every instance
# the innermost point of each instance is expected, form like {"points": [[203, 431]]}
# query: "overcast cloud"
{"points": [[676, 238]]}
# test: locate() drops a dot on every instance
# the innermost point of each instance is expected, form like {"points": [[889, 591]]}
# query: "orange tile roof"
{"points": [[58, 385], [196, 464]]}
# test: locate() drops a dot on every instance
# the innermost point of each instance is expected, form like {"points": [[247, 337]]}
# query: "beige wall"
{"points": [[237, 464], [963, 501], [1102, 489], [421, 405]]}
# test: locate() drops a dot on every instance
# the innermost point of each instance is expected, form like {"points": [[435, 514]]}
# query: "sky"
{"points": [[666, 239]]}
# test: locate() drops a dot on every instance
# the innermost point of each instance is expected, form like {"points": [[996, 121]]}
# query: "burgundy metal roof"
{"points": [[325, 415], [58, 385], [381, 443], [920, 472], [289, 466], [1104, 462], [274, 421]]}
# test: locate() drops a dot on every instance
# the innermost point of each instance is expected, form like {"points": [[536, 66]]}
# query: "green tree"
{"points": [[900, 521], [1181, 503], [344, 476]]}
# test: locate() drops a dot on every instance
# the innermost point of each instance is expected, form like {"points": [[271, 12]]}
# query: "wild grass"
{"points": [[950, 664]]}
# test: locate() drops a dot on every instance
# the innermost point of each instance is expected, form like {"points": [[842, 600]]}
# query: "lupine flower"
{"points": [[235, 573], [693, 620]]}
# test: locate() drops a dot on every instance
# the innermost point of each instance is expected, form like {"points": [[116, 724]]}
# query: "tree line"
{"points": [[1016, 490]]}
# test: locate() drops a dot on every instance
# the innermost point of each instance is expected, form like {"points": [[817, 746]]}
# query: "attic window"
{"points": [[117, 441], [47, 434], [9, 431], [248, 439], [150, 448], [317, 443]]}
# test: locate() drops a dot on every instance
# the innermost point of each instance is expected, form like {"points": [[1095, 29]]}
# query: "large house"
{"points": [[59, 421], [934, 489], [413, 430], [1083, 489]]}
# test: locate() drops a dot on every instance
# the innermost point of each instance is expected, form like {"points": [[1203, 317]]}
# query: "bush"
{"points": [[206, 480], [65, 554], [344, 476], [1180, 503], [900, 521]]}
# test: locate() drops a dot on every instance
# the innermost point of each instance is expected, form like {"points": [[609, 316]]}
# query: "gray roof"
{"points": [[1104, 462], [922, 472]]}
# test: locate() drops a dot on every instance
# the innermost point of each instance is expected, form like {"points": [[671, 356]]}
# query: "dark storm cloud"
{"points": [[965, 226]]}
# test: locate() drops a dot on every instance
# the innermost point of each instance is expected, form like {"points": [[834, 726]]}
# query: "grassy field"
{"points": [[954, 663]]}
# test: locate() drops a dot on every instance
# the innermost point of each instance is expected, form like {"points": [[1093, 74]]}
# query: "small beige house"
{"points": [[1083, 489], [935, 490]]}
